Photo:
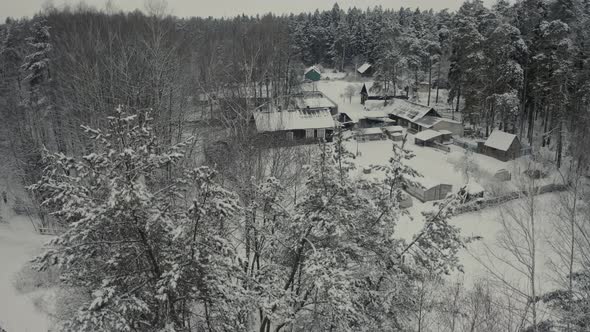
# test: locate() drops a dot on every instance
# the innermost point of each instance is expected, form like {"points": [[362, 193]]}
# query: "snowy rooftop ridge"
{"points": [[500, 140], [401, 108], [293, 120], [362, 69], [427, 134], [312, 68]]}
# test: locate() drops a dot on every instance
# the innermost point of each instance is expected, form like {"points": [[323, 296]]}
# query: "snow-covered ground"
{"points": [[437, 165], [18, 244]]}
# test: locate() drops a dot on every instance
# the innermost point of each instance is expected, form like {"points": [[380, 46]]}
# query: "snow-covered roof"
{"points": [[371, 131], [393, 129], [500, 140], [313, 100], [400, 108], [427, 134], [445, 132], [357, 115], [428, 121], [312, 68], [291, 120], [362, 69], [425, 181]]}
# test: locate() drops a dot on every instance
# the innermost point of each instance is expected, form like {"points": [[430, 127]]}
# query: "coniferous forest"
{"points": [[131, 134]]}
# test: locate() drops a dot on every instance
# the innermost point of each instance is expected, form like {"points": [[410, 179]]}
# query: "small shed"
{"points": [[313, 74], [366, 70], [503, 175], [393, 129], [502, 146], [370, 134], [446, 135], [427, 190], [427, 137]]}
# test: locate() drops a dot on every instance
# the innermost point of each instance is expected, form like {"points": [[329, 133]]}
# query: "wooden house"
{"points": [[296, 125], [312, 74], [501, 145], [415, 117]]}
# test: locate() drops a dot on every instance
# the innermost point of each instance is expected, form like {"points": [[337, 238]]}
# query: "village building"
{"points": [[501, 145], [313, 74], [415, 117], [312, 100], [364, 119], [426, 189], [366, 70], [428, 137], [369, 134], [304, 126]]}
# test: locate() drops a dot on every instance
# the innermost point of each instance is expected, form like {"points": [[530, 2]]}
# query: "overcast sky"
{"points": [[217, 8]]}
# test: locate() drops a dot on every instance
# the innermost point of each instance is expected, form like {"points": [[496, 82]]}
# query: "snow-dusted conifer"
{"points": [[145, 239]]}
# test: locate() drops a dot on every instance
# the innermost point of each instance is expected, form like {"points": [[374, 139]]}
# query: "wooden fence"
{"points": [[483, 203]]}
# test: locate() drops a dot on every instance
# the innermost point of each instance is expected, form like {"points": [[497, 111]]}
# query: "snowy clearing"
{"points": [[18, 244]]}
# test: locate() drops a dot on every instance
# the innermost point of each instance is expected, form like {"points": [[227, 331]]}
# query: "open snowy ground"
{"points": [[18, 244], [435, 165]]}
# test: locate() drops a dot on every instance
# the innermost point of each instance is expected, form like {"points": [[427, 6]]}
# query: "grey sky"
{"points": [[217, 8]]}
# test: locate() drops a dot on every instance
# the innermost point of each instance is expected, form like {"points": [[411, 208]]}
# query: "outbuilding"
{"points": [[313, 74], [501, 145], [366, 70], [428, 137], [369, 134], [427, 190]]}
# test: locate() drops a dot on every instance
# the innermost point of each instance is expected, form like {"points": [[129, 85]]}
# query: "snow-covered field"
{"points": [[18, 244]]}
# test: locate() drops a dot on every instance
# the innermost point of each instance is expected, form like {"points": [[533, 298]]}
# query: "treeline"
{"points": [[64, 68], [524, 68]]}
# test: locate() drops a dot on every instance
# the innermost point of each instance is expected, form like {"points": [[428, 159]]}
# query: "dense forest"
{"points": [[116, 121]]}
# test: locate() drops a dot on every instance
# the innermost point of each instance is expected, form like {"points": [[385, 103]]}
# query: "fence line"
{"points": [[483, 203]]}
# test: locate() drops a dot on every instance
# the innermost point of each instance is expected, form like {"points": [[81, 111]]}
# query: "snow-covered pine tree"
{"points": [[145, 239], [37, 62], [335, 262]]}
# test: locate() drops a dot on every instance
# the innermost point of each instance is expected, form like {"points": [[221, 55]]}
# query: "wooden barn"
{"points": [[366, 70], [501, 145], [305, 126], [312, 74]]}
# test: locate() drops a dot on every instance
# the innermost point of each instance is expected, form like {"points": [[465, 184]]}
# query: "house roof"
{"points": [[312, 68], [500, 140], [357, 115], [291, 120], [445, 132], [400, 108], [428, 121], [371, 131], [362, 69], [393, 129], [312, 100], [427, 134]]}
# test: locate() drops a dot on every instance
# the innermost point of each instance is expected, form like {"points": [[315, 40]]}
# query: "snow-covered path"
{"points": [[18, 244]]}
